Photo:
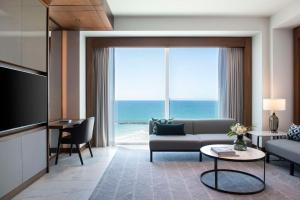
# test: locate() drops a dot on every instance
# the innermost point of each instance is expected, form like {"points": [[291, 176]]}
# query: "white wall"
{"points": [[281, 29], [257, 82], [288, 17], [282, 72], [142, 23]]}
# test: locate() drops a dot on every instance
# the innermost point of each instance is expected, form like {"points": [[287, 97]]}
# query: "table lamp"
{"points": [[274, 105]]}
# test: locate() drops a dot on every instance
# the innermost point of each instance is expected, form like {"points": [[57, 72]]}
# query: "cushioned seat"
{"points": [[284, 148], [174, 142], [198, 133], [217, 138]]}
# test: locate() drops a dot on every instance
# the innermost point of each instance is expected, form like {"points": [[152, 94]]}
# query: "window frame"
{"points": [[227, 42]]}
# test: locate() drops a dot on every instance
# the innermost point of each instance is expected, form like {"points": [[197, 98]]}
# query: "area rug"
{"points": [[176, 176]]}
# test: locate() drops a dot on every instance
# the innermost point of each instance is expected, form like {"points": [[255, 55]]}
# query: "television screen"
{"points": [[23, 99]]}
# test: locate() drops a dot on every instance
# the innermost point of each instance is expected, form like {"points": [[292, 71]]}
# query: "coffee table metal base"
{"points": [[232, 181]]}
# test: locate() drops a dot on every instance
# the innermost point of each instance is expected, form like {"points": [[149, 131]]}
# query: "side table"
{"points": [[261, 134]]}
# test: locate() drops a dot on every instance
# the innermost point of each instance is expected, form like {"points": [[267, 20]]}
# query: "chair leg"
{"points": [[267, 157], [89, 145], [292, 168], [151, 155], [200, 156], [71, 148], [79, 153], [58, 147], [49, 150]]}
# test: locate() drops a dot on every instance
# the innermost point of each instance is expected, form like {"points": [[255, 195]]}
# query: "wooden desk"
{"points": [[61, 125]]}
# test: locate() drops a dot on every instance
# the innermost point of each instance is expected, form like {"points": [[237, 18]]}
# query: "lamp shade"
{"points": [[274, 104]]}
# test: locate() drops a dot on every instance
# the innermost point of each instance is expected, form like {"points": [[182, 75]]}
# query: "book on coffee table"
{"points": [[223, 151]]}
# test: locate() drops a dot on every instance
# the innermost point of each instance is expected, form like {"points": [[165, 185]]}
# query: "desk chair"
{"points": [[79, 134]]}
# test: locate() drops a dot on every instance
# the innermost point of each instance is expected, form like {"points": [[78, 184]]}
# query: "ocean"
{"points": [[132, 117]]}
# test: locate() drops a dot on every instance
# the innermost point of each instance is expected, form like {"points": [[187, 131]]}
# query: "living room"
{"points": [[140, 99]]}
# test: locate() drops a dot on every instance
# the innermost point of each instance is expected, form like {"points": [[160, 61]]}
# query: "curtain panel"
{"points": [[102, 87], [231, 63]]}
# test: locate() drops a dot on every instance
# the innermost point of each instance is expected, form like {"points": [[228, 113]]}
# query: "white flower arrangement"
{"points": [[237, 129]]}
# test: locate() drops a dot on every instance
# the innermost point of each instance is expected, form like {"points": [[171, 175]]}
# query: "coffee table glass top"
{"points": [[249, 155]]}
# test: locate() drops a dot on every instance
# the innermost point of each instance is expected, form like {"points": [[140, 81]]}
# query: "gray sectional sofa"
{"points": [[198, 133], [286, 149]]}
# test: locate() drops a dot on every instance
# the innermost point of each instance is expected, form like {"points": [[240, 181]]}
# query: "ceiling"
{"points": [[196, 7]]}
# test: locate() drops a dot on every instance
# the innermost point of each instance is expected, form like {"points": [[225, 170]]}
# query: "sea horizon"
{"points": [[143, 110], [164, 100], [132, 116]]}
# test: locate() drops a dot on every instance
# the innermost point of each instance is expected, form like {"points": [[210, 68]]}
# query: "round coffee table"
{"points": [[234, 181]]}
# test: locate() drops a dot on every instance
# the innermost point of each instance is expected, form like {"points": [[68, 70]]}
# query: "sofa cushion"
{"points": [[212, 126], [188, 125], [294, 133], [155, 122], [287, 149], [170, 129], [218, 138], [180, 142]]}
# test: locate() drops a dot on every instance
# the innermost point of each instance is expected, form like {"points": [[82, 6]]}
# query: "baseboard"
{"points": [[24, 185]]}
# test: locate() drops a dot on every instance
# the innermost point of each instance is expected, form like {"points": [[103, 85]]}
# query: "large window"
{"points": [[193, 83], [179, 83], [139, 91]]}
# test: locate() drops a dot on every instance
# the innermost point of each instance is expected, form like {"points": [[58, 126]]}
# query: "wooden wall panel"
{"points": [[81, 14], [296, 76], [64, 75], [247, 83], [73, 82], [168, 41], [55, 104], [89, 78]]}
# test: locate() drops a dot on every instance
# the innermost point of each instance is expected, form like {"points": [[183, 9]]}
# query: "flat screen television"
{"points": [[23, 99]]}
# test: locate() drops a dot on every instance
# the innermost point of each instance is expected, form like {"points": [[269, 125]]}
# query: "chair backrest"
{"points": [[83, 133]]}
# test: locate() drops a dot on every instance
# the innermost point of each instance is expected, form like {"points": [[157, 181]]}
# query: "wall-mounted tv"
{"points": [[23, 99]]}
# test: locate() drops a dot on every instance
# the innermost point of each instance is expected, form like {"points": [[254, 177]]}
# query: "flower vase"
{"points": [[239, 143]]}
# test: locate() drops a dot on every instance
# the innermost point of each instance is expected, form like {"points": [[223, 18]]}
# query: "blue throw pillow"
{"points": [[294, 133], [159, 121], [170, 129]]}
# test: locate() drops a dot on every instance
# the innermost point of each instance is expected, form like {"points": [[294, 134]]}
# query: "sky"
{"points": [[140, 73]]}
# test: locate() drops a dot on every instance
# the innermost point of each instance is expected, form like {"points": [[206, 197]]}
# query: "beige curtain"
{"points": [[103, 97], [231, 83]]}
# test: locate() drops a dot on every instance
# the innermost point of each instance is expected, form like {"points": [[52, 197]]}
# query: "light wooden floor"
{"points": [[69, 180]]}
